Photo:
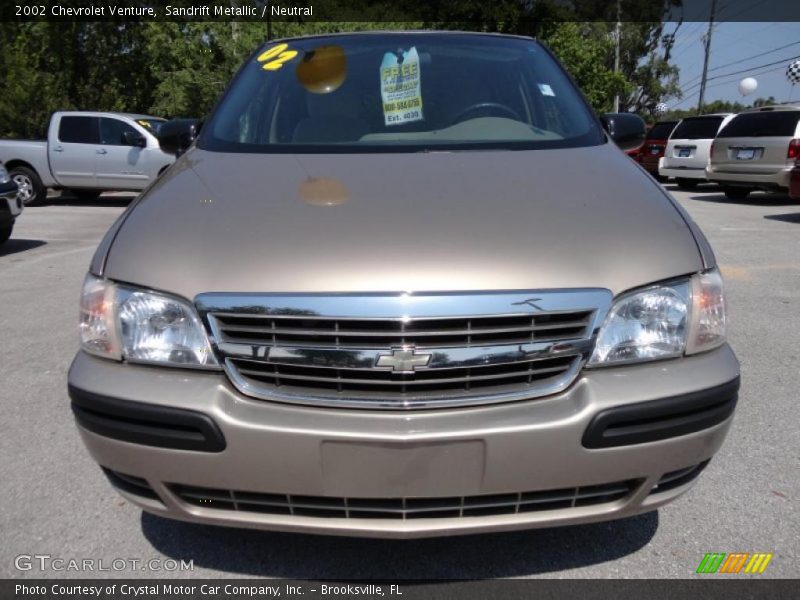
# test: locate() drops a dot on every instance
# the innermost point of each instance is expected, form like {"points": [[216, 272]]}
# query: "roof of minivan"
{"points": [[101, 113], [400, 32], [773, 107], [708, 115]]}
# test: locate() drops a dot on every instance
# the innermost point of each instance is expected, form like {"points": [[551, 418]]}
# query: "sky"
{"points": [[733, 42]]}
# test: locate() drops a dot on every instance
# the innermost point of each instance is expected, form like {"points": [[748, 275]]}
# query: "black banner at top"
{"points": [[425, 12]]}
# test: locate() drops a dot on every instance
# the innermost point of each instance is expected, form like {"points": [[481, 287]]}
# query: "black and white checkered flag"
{"points": [[793, 72]]}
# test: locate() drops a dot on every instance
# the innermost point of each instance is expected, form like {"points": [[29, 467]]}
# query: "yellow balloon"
{"points": [[322, 70]]}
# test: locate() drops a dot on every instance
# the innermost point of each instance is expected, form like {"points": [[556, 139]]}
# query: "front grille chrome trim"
{"points": [[330, 350]]}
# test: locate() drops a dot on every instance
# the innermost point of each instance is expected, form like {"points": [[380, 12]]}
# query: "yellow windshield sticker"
{"points": [[400, 87], [144, 123], [273, 58]]}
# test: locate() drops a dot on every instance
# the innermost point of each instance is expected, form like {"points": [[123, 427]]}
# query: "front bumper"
{"points": [[8, 195], [494, 468], [769, 181]]}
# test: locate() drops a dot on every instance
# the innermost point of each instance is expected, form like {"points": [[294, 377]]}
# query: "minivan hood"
{"points": [[391, 222]]}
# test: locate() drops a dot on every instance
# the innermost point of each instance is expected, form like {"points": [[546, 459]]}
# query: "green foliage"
{"points": [[583, 49], [177, 69]]}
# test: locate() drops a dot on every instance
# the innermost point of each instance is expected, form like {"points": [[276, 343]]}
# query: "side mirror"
{"points": [[626, 129], [177, 135], [131, 138]]}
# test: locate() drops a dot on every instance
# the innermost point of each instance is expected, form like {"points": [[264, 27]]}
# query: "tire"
{"points": [[31, 188], [85, 195], [686, 184], [736, 193]]}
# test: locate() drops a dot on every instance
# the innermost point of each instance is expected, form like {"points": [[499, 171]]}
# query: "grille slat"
{"points": [[346, 333], [343, 381], [405, 508]]}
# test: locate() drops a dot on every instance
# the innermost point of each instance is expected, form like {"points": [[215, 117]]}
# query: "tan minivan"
{"points": [[375, 297], [756, 151]]}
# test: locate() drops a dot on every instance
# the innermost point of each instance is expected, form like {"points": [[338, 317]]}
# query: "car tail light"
{"points": [[794, 149]]}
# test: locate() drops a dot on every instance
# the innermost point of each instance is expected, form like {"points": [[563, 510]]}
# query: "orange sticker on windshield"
{"points": [[274, 57]]}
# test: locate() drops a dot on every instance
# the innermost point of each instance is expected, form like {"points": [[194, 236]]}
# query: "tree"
{"points": [[583, 50]]}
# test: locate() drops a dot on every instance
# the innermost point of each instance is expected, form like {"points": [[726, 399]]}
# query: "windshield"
{"points": [[152, 125], [762, 124], [697, 128], [661, 131], [400, 93]]}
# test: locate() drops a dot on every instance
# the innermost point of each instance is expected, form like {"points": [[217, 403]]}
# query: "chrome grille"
{"points": [[405, 508], [404, 350]]}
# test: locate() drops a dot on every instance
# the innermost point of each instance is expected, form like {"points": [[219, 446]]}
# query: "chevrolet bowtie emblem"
{"points": [[403, 360]]}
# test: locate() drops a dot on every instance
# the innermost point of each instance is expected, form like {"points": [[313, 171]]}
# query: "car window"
{"points": [[111, 131], [661, 131], [78, 130], [153, 125], [400, 92], [762, 124], [697, 128]]}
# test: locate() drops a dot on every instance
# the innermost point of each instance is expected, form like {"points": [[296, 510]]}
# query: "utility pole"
{"points": [[617, 30], [705, 60]]}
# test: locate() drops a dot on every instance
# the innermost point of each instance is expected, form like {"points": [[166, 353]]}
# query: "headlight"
{"points": [[4, 178], [140, 326], [663, 321]]}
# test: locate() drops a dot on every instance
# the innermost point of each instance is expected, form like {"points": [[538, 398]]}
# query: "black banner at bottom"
{"points": [[540, 589]]}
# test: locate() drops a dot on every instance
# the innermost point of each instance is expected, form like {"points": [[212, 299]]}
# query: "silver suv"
{"points": [[374, 297], [756, 150]]}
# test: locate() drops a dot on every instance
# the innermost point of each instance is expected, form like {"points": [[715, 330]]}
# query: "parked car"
{"points": [[375, 297], [628, 129], [87, 153], [756, 151], [654, 145], [10, 205], [686, 155], [794, 181]]}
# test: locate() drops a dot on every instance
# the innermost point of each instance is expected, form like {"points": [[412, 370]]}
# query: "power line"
{"points": [[694, 38], [749, 69], [736, 62], [717, 84]]}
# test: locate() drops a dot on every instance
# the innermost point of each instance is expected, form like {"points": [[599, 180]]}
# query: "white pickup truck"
{"points": [[87, 153]]}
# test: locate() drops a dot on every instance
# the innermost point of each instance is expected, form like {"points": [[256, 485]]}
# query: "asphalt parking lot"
{"points": [[57, 502]]}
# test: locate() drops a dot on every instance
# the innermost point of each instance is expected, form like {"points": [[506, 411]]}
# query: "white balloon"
{"points": [[747, 86]]}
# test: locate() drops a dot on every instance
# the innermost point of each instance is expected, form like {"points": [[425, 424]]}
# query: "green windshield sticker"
{"points": [[400, 87]]}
